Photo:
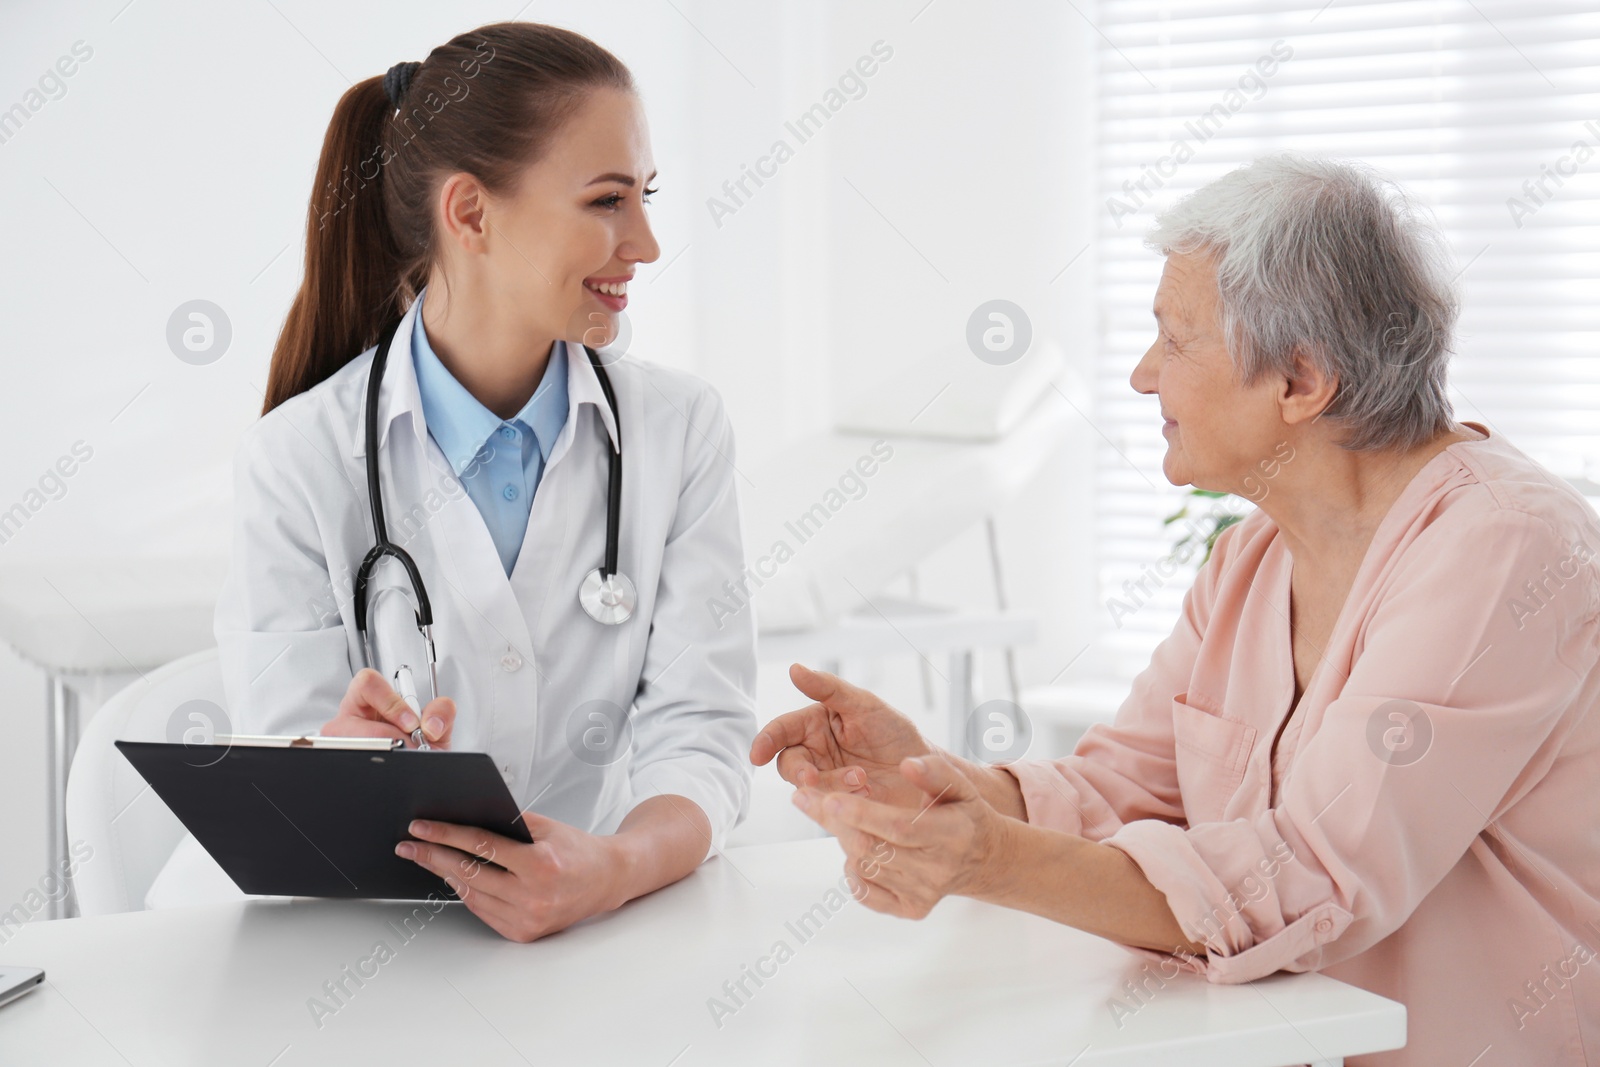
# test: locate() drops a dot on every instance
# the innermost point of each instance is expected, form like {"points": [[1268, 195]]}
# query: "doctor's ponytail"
{"points": [[487, 103]]}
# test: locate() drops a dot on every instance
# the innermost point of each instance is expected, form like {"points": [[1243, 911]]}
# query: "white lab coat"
{"points": [[521, 658]]}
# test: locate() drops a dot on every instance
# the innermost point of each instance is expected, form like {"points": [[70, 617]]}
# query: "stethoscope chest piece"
{"points": [[608, 600]]}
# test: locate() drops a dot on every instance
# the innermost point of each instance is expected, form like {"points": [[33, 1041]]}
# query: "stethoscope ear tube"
{"points": [[380, 358], [614, 479], [606, 594], [382, 545]]}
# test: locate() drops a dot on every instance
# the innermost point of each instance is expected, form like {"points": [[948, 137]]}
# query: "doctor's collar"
{"points": [[399, 392]]}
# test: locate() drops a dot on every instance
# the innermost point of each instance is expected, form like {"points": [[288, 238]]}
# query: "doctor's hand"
{"points": [[522, 891], [371, 708], [848, 741], [954, 843]]}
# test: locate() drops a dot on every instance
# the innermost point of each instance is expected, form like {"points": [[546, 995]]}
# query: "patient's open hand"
{"points": [[849, 741]]}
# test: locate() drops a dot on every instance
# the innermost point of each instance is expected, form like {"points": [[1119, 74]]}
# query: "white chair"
{"points": [[147, 611], [129, 832]]}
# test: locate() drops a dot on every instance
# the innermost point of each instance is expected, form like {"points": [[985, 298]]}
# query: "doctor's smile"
{"points": [[1169, 637], [612, 292]]}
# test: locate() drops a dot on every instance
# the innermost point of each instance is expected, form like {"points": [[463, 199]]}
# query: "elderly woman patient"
{"points": [[1370, 746]]}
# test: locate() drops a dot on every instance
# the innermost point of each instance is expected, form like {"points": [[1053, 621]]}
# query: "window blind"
{"points": [[1487, 112]]}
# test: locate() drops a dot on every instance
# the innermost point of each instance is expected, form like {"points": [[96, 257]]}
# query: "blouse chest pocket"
{"points": [[1212, 753]]}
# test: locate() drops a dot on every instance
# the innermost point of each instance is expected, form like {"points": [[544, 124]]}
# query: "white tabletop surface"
{"points": [[972, 983]]}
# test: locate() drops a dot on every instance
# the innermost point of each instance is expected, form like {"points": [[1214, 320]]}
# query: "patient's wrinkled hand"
{"points": [[904, 862], [848, 741]]}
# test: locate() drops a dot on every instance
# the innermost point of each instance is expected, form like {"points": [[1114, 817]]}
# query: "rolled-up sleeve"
{"points": [[694, 714], [1446, 718]]}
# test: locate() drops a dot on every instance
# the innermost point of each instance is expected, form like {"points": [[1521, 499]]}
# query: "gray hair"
{"points": [[1325, 258]]}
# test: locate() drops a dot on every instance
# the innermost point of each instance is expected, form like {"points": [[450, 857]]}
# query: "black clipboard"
{"points": [[323, 821]]}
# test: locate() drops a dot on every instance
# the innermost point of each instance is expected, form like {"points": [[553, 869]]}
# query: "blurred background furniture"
{"points": [[128, 833], [961, 440], [93, 626]]}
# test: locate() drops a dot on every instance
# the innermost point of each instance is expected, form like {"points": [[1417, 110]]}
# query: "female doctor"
{"points": [[491, 200]]}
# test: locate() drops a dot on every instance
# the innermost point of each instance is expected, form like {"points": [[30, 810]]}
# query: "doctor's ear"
{"points": [[463, 209]]}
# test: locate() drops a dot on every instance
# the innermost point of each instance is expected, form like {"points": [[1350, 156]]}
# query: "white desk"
{"points": [[970, 984]]}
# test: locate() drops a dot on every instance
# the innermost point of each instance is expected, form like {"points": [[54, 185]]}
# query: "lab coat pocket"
{"points": [[1212, 753]]}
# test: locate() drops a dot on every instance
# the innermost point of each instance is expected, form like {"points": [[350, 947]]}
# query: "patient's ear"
{"points": [[1307, 392]]}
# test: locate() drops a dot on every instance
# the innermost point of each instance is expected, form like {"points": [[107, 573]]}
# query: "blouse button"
{"points": [[508, 432], [1324, 925], [509, 492], [511, 661]]}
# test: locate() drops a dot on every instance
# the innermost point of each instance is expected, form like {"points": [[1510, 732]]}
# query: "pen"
{"points": [[408, 693]]}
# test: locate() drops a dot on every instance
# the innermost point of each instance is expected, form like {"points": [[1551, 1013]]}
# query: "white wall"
{"points": [[965, 177], [178, 163]]}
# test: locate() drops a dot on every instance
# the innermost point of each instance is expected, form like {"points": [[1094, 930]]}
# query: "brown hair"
{"points": [[487, 103]]}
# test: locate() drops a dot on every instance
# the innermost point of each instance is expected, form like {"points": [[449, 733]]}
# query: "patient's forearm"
{"points": [[1080, 883], [1067, 878]]}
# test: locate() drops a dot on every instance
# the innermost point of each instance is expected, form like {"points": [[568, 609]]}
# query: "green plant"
{"points": [[1219, 519]]}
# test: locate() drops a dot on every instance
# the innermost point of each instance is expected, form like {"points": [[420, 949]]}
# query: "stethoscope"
{"points": [[606, 593]]}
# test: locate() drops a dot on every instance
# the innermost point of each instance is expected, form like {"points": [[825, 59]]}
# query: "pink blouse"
{"points": [[1430, 827]]}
